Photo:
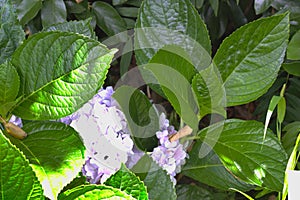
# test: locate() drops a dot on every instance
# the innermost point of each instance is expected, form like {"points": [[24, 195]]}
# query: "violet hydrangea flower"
{"points": [[104, 131], [169, 155]]}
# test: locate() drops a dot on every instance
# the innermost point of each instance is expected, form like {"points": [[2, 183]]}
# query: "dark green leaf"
{"points": [[210, 92], [187, 192], [74, 7], [128, 182], [118, 2], [141, 116], [27, 9], [51, 66], [167, 22], [215, 6], [136, 3], [108, 19], [9, 83], [292, 68], [294, 47], [80, 27], [128, 11], [16, 176], [177, 89], [243, 149], [53, 12], [250, 58], [262, 5], [157, 181], [93, 192], [55, 152], [11, 32], [211, 171], [291, 132]]}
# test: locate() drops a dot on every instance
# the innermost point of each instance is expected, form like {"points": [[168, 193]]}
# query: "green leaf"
{"points": [[53, 12], [177, 89], [167, 22], [291, 132], [261, 6], [93, 192], [142, 118], [27, 9], [52, 66], [243, 150], [108, 19], [210, 92], [294, 47], [16, 176], [76, 8], [9, 83], [185, 192], [157, 181], [11, 32], [118, 2], [250, 58], [128, 11], [127, 181], [215, 6], [211, 171], [292, 68], [80, 27], [55, 152]]}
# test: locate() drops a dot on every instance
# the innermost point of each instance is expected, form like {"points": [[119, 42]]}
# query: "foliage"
{"points": [[201, 58]]}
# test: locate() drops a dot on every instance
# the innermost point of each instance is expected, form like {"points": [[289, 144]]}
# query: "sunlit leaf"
{"points": [[59, 72]]}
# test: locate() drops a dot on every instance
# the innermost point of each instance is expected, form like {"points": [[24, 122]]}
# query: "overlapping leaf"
{"points": [[157, 181], [244, 151], [250, 58], [166, 22], [127, 181], [55, 152], [93, 192], [211, 171], [17, 179], [11, 32], [59, 72]]}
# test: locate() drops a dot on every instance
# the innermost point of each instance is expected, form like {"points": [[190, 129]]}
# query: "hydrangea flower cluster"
{"points": [[104, 131], [169, 155], [103, 128]]}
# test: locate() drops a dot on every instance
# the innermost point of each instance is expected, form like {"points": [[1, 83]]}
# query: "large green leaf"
{"points": [[157, 181], [27, 9], [93, 192], [243, 149], [142, 118], [59, 72], [9, 83], [211, 171], [80, 27], [166, 22], [108, 19], [17, 180], [55, 152], [11, 32], [250, 58], [127, 181], [53, 12], [294, 47]]}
